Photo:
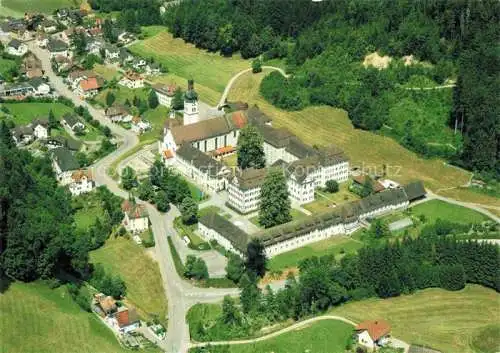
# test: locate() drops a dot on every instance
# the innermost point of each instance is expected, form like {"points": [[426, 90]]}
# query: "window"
{"points": [[205, 146], [225, 140], [216, 143]]}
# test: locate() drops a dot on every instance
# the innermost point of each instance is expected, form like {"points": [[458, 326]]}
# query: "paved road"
{"points": [[233, 79], [180, 293]]}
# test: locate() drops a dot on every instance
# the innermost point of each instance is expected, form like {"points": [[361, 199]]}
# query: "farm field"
{"points": [[24, 113], [38, 319], [444, 320], [323, 125], [334, 246], [44, 6], [434, 209], [186, 61], [140, 273]]}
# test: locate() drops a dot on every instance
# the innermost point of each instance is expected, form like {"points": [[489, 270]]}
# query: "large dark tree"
{"points": [[256, 258], [275, 205], [251, 148]]}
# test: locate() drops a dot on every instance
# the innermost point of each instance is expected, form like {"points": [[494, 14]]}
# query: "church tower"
{"points": [[191, 112]]}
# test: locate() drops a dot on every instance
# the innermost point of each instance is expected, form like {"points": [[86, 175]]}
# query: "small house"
{"points": [[71, 121], [48, 26], [165, 94], [22, 135], [132, 80], [117, 113], [40, 87], [81, 182], [373, 333], [89, 87], [127, 319], [40, 128], [136, 217], [57, 47], [42, 40], [358, 182], [112, 53], [139, 125], [64, 164], [16, 48], [107, 304]]}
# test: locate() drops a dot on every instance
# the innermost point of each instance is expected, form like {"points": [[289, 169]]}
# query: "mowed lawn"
{"points": [[140, 273], [106, 71], [336, 246], [37, 319], [444, 320], [328, 336], [324, 125], [184, 60], [437, 209], [43, 6], [24, 113]]}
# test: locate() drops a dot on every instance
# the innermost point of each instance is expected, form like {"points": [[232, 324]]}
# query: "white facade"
{"points": [[244, 201], [19, 51], [82, 186], [64, 53], [132, 82], [365, 340], [301, 192], [136, 225], [191, 112], [274, 154], [40, 132], [42, 89], [206, 145], [202, 178], [210, 234], [338, 172], [164, 99]]}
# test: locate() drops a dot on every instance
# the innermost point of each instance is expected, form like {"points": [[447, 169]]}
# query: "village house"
{"points": [[94, 46], [138, 125], [40, 87], [42, 40], [89, 87], [132, 80], [204, 170], [81, 182], [48, 26], [126, 38], [127, 319], [118, 113], [64, 164], [13, 26], [373, 333], [136, 217], [111, 53], [62, 63], [22, 135], [31, 66], [40, 128], [165, 94], [16, 48], [34, 87], [244, 190], [125, 56], [57, 47], [75, 76], [152, 69], [72, 122], [106, 305], [138, 64]]}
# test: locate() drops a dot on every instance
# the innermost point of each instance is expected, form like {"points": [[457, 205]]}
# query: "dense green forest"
{"points": [[324, 45]]}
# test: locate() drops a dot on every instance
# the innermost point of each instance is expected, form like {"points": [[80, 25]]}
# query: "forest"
{"points": [[324, 43]]}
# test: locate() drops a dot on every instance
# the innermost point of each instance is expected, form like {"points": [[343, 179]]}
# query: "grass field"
{"points": [[296, 214], [140, 273], [36, 319], [323, 125], [324, 201], [440, 319], [184, 60], [320, 337], [5, 66], [332, 246], [24, 113], [89, 211], [43, 6], [434, 209], [107, 72], [157, 118], [487, 340], [122, 94]]}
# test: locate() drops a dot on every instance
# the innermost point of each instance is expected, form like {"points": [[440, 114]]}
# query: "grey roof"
{"points": [[302, 168], [200, 160], [64, 159], [256, 116], [250, 178], [20, 131], [278, 138], [71, 119], [14, 43], [236, 236], [415, 190], [40, 121], [36, 82], [383, 198], [56, 45]]}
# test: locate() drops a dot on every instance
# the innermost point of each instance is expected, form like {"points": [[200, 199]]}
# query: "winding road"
{"points": [[181, 294]]}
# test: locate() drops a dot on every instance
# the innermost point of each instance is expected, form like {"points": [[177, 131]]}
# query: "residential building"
{"points": [[75, 76], [125, 56], [89, 87], [22, 135], [205, 171], [107, 304], [111, 53], [139, 125], [94, 46], [191, 110], [42, 40], [373, 333], [72, 122], [244, 189], [64, 164], [139, 64], [118, 113], [132, 80], [62, 63], [40, 128], [16, 47], [34, 87], [127, 319], [152, 69], [206, 135], [48, 26], [81, 182], [57, 47], [165, 94], [40, 86], [136, 217], [213, 226]]}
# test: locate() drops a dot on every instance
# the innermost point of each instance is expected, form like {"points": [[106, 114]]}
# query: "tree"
{"points": [[178, 99], [256, 66], [230, 313], [53, 123], [379, 228], [162, 202], [452, 277], [108, 32], [256, 258], [195, 268], [235, 268], [250, 295], [274, 202], [189, 210], [91, 60], [153, 99], [82, 159], [129, 178], [145, 190], [250, 148], [5, 135], [367, 188], [332, 186], [106, 131], [79, 43], [110, 98]]}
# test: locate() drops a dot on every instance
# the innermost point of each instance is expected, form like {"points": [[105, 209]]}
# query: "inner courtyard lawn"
{"points": [[140, 272], [444, 320], [37, 319]]}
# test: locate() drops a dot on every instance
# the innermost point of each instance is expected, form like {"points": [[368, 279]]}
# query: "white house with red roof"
{"points": [[132, 80], [373, 333], [89, 87], [81, 182], [165, 94], [136, 217]]}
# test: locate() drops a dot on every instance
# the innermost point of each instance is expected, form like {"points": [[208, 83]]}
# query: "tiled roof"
{"points": [[90, 84], [250, 178], [168, 90], [116, 109], [71, 119], [134, 210], [168, 154], [64, 159], [56, 45], [361, 179], [126, 316], [79, 174], [200, 160], [376, 328]]}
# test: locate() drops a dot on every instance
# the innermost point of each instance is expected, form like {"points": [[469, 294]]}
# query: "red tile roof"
{"points": [[376, 328], [168, 154], [360, 179], [89, 84], [224, 150], [79, 174], [239, 119]]}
